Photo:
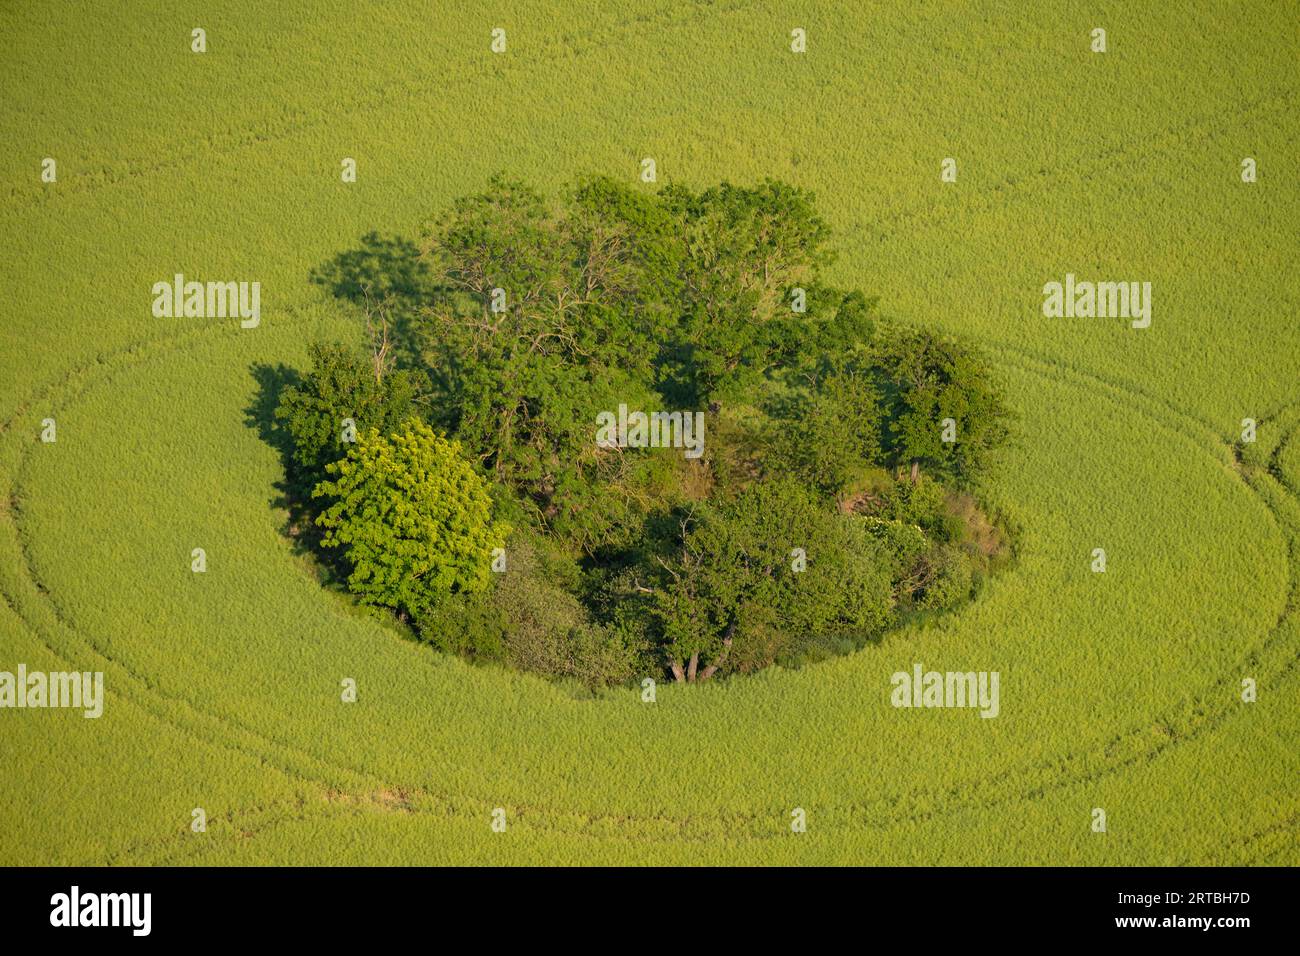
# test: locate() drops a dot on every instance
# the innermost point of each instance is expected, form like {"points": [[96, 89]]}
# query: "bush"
{"points": [[469, 625], [904, 543], [951, 581], [919, 503], [531, 621]]}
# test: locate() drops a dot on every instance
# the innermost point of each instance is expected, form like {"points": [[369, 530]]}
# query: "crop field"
{"points": [[1121, 691]]}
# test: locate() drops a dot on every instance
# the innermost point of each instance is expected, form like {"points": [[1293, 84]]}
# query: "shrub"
{"points": [[532, 621], [951, 579], [469, 625], [919, 503]]}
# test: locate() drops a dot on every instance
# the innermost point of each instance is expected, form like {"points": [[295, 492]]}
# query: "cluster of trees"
{"points": [[831, 498]]}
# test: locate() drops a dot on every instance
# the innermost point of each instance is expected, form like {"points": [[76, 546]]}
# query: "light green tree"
{"points": [[412, 517]]}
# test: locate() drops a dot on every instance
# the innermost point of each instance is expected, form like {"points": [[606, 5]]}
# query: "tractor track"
{"points": [[1272, 659]]}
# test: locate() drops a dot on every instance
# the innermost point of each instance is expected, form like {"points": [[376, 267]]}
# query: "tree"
{"points": [[927, 378], [829, 432], [344, 385], [555, 314], [746, 249], [738, 578], [412, 517]]}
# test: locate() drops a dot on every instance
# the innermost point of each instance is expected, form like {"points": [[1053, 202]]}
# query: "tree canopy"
{"points": [[831, 500], [339, 397]]}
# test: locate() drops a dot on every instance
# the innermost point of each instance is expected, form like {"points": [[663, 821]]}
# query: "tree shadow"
{"points": [[271, 381], [384, 271]]}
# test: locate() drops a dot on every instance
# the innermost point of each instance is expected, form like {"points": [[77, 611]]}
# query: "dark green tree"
{"points": [[773, 560], [556, 314], [926, 379], [343, 386], [829, 432], [747, 248]]}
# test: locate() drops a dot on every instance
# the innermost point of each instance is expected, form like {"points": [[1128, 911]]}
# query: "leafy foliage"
{"points": [[413, 518], [740, 578], [580, 293], [828, 432], [929, 378], [531, 621], [539, 314], [341, 386], [746, 249]]}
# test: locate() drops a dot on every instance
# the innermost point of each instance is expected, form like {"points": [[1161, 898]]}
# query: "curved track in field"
{"points": [[345, 789], [396, 95]]}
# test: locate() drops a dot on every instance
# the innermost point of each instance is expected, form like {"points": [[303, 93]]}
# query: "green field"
{"points": [[1120, 691]]}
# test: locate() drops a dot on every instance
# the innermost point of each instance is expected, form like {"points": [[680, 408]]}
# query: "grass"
{"points": [[1118, 690]]}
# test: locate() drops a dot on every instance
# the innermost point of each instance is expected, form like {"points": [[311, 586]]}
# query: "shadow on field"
{"points": [[271, 381], [384, 271]]}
